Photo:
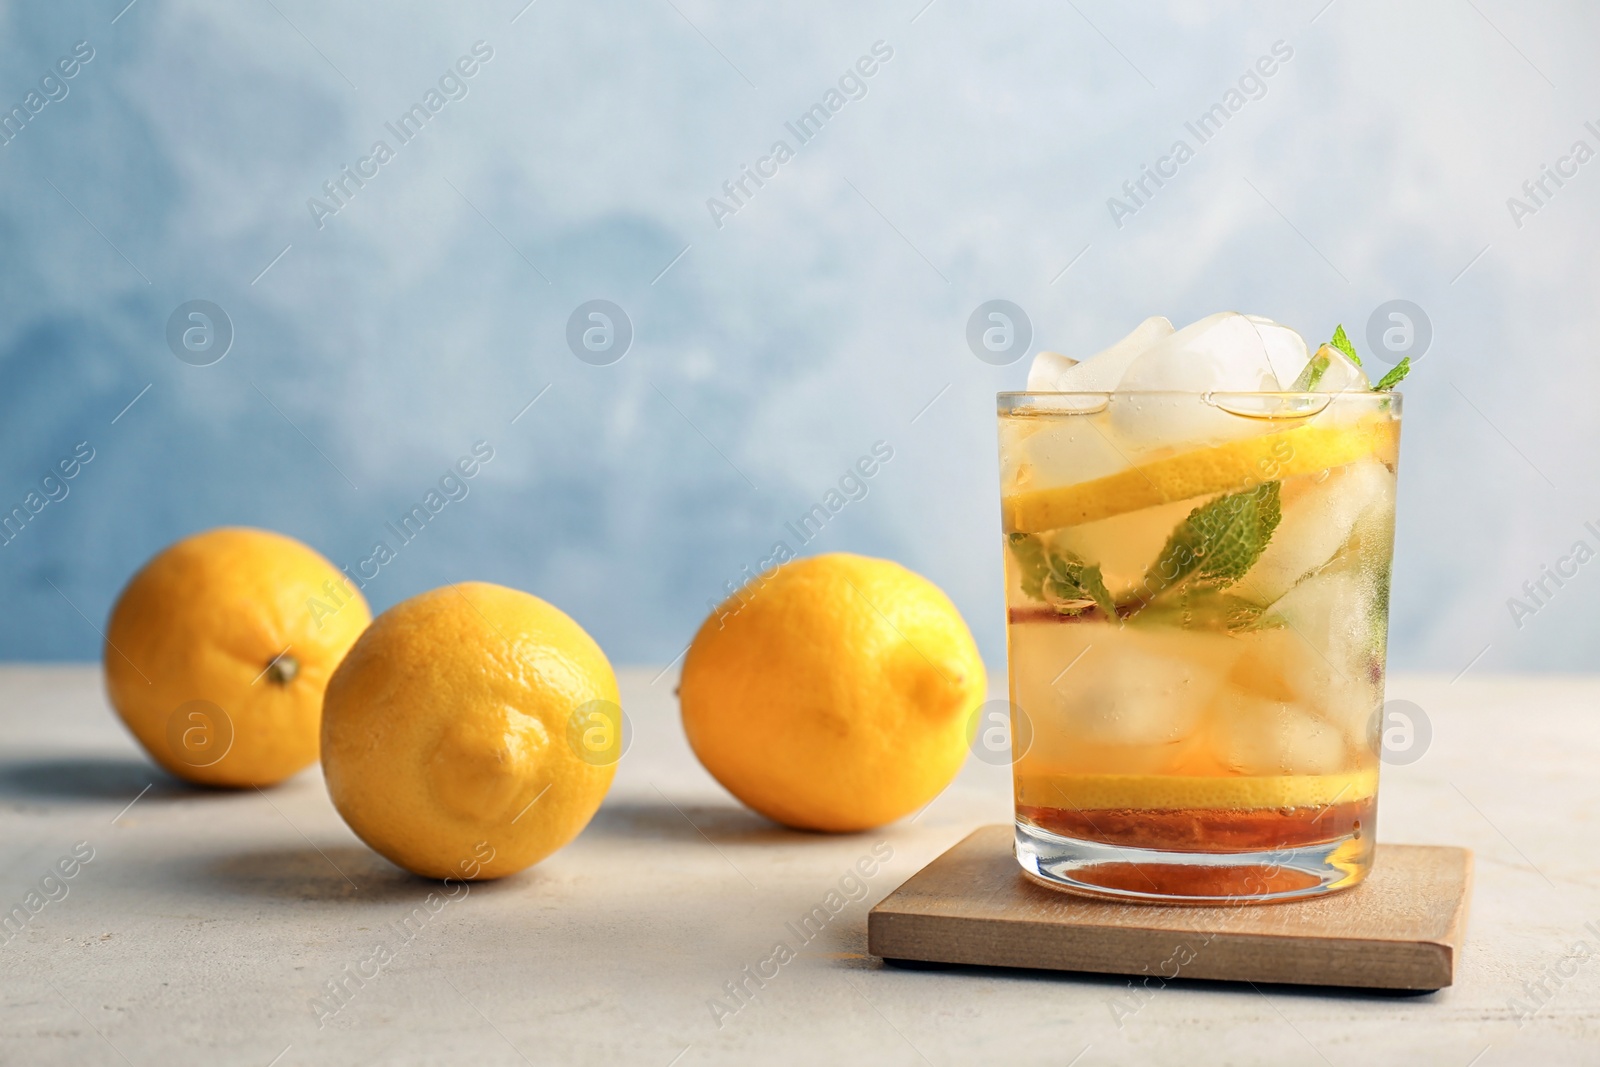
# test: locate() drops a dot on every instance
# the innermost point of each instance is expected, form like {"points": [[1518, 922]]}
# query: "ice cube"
{"points": [[1331, 611], [1285, 349], [1338, 375], [1045, 369], [1268, 737], [1223, 353], [1342, 374], [1318, 519], [1038, 453], [1052, 372], [1272, 665], [1133, 688], [1220, 352], [1328, 611], [1331, 635], [1283, 666]]}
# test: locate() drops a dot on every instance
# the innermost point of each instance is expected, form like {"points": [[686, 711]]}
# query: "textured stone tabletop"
{"points": [[205, 927]]}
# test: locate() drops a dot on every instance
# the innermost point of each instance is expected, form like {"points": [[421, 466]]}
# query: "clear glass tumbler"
{"points": [[1197, 592]]}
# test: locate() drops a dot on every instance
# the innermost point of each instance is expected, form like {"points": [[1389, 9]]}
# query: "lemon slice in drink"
{"points": [[1170, 792], [1201, 472]]}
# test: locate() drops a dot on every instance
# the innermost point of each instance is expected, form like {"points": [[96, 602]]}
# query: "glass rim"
{"points": [[1303, 394], [1252, 403]]}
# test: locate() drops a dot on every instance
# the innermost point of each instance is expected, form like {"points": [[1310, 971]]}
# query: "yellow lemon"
{"points": [[471, 732], [833, 692], [218, 650]]}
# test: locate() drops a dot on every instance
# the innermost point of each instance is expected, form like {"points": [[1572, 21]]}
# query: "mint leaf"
{"points": [[1220, 540], [1396, 374], [1315, 368], [1031, 562], [1087, 580], [1341, 341], [1059, 578]]}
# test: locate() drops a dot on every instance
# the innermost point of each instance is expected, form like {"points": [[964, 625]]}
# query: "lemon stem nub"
{"points": [[282, 670]]}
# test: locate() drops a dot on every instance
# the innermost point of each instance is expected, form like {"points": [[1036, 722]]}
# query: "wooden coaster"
{"points": [[1400, 929]]}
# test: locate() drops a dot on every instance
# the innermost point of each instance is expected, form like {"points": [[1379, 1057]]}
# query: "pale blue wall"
{"points": [[819, 319]]}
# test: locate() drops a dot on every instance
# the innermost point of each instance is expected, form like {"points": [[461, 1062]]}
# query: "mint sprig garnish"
{"points": [[1220, 540], [1395, 376], [1058, 577], [1341, 341], [1209, 551]]}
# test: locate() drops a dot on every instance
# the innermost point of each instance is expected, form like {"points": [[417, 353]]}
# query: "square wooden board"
{"points": [[1400, 929]]}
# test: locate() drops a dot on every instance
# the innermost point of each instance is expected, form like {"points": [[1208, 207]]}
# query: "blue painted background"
{"points": [[819, 318]]}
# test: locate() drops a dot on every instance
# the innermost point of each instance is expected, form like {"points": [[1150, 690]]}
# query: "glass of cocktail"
{"points": [[1197, 591]]}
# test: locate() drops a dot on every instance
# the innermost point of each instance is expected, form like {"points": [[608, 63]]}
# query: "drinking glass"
{"points": [[1197, 591]]}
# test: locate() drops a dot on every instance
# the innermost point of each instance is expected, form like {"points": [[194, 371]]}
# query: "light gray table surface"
{"points": [[207, 922]]}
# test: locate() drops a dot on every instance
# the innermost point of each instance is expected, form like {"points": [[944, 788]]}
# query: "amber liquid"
{"points": [[1208, 830]]}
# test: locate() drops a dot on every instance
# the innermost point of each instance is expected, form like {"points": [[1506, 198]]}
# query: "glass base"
{"points": [[1121, 872]]}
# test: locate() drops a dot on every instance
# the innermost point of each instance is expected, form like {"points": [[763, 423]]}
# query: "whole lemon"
{"points": [[833, 692], [471, 732], [218, 650]]}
